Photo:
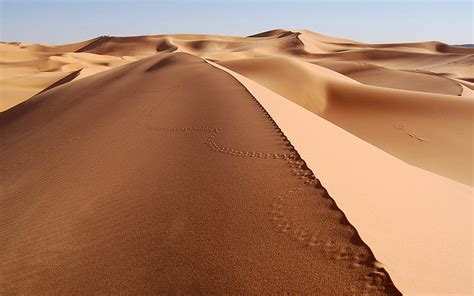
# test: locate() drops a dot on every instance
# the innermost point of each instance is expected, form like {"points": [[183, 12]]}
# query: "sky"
{"points": [[382, 21]]}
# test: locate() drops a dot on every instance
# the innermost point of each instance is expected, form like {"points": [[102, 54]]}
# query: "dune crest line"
{"points": [[282, 221]]}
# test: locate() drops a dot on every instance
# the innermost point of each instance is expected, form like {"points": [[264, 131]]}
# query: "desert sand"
{"points": [[414, 208], [285, 161], [412, 100], [192, 188]]}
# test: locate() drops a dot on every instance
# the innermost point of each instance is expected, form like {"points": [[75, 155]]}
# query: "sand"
{"points": [[144, 165], [409, 76], [414, 126], [191, 188], [422, 208]]}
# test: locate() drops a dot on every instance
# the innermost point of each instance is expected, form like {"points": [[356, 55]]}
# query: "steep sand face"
{"points": [[419, 226], [191, 187], [289, 78]]}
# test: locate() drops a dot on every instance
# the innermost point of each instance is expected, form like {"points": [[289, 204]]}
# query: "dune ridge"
{"points": [[415, 208], [146, 231]]}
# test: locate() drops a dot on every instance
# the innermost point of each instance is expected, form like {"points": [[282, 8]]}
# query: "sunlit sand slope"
{"points": [[419, 226]]}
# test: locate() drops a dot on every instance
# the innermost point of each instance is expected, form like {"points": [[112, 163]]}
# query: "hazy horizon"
{"points": [[56, 22]]}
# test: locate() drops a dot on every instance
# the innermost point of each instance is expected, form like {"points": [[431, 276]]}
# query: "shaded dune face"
{"points": [[278, 33], [166, 46], [166, 175]]}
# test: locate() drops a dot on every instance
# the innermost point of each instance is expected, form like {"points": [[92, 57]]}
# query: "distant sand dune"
{"points": [[398, 79]]}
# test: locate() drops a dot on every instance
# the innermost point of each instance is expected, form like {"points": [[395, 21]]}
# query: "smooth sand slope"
{"points": [[166, 175], [398, 79], [414, 126], [419, 226]]}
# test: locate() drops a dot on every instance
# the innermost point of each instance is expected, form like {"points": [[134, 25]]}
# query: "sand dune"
{"points": [[452, 61], [16, 90], [414, 126], [354, 178], [129, 164], [407, 80], [28, 70], [290, 78], [179, 195]]}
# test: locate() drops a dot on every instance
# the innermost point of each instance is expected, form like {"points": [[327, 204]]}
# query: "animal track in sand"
{"points": [[213, 131], [410, 134], [301, 229], [297, 227]]}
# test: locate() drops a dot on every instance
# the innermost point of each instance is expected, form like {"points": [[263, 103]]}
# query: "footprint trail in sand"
{"points": [[192, 188]]}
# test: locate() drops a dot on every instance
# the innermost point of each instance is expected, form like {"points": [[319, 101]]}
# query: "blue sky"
{"points": [[55, 22]]}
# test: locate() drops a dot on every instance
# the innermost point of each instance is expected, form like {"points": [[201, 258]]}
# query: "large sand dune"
{"points": [[191, 188], [130, 165], [416, 208]]}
